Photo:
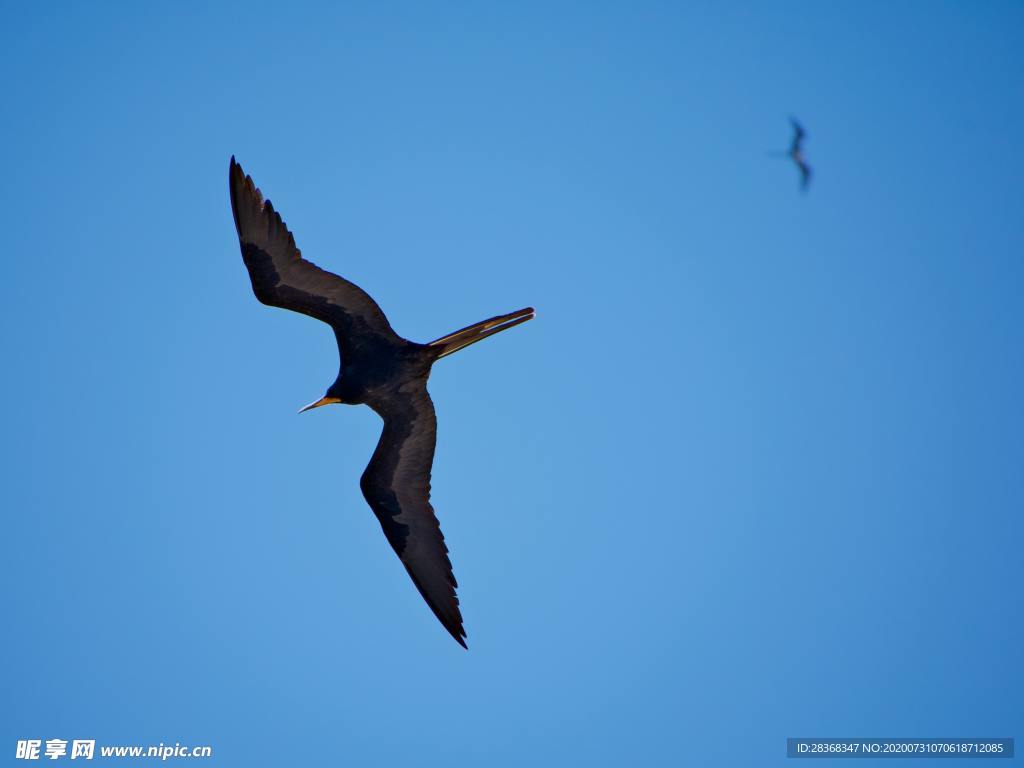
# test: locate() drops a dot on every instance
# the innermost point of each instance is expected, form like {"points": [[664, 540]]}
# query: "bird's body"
{"points": [[378, 368], [370, 378]]}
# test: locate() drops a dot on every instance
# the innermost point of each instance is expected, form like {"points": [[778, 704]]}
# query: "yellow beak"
{"points": [[318, 403]]}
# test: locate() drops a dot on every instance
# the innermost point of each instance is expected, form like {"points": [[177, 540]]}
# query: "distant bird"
{"points": [[796, 152], [378, 368]]}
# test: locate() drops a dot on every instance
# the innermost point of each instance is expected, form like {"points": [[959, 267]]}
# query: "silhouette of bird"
{"points": [[379, 369], [796, 152]]}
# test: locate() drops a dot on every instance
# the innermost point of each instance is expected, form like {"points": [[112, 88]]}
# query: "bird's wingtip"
{"points": [[456, 630]]}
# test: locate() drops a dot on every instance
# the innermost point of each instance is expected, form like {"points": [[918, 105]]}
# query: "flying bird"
{"points": [[379, 369], [796, 152]]}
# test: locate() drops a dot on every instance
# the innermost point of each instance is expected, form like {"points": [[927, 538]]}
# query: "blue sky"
{"points": [[753, 472]]}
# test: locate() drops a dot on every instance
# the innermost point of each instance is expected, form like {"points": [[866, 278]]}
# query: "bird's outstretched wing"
{"points": [[396, 484], [805, 175], [798, 135], [282, 278]]}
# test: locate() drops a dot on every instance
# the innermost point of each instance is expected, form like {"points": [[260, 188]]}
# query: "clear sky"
{"points": [[755, 470]]}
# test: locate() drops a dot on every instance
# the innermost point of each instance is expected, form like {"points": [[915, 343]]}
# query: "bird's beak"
{"points": [[318, 403]]}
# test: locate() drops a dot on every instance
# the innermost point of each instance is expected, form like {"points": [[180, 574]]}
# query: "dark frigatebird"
{"points": [[378, 368], [796, 153]]}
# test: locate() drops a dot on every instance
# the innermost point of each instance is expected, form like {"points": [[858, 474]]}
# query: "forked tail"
{"points": [[453, 342]]}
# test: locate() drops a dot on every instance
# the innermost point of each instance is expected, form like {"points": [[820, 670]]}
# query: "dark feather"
{"points": [[396, 485], [282, 278], [805, 175], [798, 135]]}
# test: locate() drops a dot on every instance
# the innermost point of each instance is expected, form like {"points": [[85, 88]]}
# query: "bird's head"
{"points": [[327, 399]]}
